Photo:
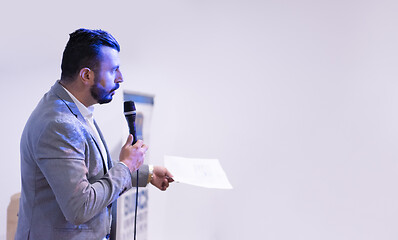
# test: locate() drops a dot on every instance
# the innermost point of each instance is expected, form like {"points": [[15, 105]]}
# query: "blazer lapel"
{"points": [[110, 164]]}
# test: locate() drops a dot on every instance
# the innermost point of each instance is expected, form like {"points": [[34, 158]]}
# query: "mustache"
{"points": [[117, 85]]}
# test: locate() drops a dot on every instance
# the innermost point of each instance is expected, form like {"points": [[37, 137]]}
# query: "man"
{"points": [[69, 183]]}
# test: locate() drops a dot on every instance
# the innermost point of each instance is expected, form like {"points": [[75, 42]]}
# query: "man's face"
{"points": [[107, 77]]}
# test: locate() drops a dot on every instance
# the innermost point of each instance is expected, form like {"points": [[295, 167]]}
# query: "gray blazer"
{"points": [[66, 193]]}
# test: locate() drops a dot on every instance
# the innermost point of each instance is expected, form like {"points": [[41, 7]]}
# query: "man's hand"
{"points": [[161, 178], [133, 155]]}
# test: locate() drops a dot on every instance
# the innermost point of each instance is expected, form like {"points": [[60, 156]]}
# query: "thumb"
{"points": [[129, 140], [168, 174]]}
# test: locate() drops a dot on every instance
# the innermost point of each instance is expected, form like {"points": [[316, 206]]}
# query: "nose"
{"points": [[119, 76]]}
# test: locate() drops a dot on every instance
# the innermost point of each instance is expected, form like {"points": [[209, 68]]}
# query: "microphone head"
{"points": [[129, 106]]}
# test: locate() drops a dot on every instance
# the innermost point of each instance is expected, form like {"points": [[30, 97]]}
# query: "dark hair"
{"points": [[83, 50]]}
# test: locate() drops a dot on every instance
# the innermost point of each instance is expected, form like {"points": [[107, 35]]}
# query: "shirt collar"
{"points": [[87, 112]]}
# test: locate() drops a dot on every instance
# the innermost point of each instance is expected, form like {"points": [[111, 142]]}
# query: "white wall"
{"points": [[296, 98]]}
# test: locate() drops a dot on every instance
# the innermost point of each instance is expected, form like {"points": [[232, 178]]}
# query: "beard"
{"points": [[101, 94]]}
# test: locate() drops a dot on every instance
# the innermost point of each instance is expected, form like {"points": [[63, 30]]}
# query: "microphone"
{"points": [[130, 114]]}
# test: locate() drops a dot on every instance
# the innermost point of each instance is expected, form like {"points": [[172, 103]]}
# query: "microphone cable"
{"points": [[136, 208]]}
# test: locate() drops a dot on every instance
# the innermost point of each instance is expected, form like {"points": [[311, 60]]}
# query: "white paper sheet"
{"points": [[200, 172]]}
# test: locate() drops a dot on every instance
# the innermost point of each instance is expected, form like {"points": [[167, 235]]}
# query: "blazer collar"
{"points": [[60, 92]]}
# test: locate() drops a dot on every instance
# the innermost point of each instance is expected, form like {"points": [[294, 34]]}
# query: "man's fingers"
{"points": [[165, 184], [169, 179], [139, 144], [129, 140], [144, 147], [168, 174]]}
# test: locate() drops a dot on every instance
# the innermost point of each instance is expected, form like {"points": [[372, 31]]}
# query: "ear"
{"points": [[86, 76]]}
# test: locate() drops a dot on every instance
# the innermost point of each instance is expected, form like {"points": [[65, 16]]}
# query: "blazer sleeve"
{"points": [[60, 154], [143, 174]]}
